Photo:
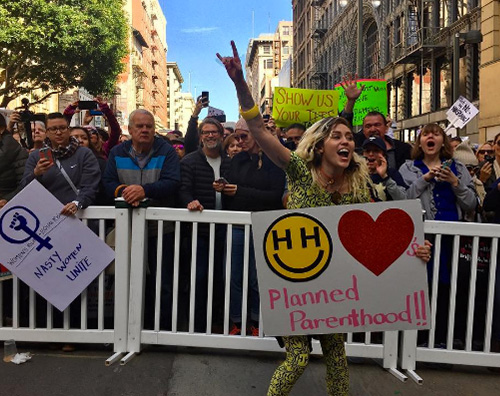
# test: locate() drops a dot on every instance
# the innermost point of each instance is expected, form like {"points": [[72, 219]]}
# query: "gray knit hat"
{"points": [[464, 154]]}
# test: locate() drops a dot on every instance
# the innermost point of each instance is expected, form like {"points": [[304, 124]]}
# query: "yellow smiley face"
{"points": [[297, 247]]}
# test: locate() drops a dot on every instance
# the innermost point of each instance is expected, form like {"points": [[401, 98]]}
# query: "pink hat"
{"points": [[242, 125]]}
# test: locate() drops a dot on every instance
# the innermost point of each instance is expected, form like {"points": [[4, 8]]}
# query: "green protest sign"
{"points": [[304, 106], [373, 98]]}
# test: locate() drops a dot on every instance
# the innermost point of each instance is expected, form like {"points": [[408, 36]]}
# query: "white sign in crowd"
{"points": [[461, 112], [58, 256], [341, 269]]}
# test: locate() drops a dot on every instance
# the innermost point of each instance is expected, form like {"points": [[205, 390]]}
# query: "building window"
{"points": [[286, 50], [266, 49], [286, 30], [268, 63], [444, 84]]}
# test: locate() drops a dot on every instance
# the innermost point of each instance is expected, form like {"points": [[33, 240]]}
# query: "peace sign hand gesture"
{"points": [[233, 64]]}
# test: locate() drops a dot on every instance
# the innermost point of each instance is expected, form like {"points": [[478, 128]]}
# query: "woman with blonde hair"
{"points": [[324, 170]]}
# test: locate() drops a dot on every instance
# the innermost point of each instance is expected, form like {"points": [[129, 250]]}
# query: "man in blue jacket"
{"points": [[146, 167]]}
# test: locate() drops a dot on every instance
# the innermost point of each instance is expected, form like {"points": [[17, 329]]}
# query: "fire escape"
{"points": [[319, 72]]}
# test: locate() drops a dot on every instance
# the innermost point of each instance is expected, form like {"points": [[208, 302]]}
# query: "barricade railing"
{"points": [[184, 228], [468, 296], [93, 317], [464, 313]]}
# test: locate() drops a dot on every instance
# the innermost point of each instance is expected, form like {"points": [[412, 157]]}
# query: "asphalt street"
{"points": [[173, 371]]}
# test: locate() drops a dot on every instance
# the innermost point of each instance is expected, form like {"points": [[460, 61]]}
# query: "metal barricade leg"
{"points": [[137, 282]]}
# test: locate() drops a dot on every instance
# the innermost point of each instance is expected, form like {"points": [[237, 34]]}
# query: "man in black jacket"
{"points": [[199, 170], [375, 124]]}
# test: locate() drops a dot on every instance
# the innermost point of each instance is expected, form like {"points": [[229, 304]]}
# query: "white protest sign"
{"points": [[341, 269], [461, 112], [58, 256]]}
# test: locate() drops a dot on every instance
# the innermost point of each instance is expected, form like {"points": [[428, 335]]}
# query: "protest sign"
{"points": [[341, 269], [373, 98], [304, 106], [461, 112], [58, 256]]}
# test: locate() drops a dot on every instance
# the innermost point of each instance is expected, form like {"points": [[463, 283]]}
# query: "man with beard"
{"points": [[199, 171]]}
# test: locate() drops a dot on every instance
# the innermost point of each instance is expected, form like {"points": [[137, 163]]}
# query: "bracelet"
{"points": [[251, 113]]}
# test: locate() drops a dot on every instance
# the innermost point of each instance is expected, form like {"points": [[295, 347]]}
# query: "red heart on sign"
{"points": [[376, 244]]}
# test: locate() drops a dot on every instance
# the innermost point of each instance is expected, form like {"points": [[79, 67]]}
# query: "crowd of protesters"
{"points": [[256, 166]]}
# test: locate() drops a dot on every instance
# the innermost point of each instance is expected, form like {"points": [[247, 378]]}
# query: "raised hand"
{"points": [[349, 83], [232, 64]]}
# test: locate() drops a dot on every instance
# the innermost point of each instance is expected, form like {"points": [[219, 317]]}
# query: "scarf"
{"points": [[63, 152]]}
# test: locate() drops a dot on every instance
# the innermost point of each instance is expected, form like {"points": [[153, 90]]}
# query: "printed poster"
{"points": [[58, 256]]}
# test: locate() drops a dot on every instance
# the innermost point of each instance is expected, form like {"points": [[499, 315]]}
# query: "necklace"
{"points": [[329, 180]]}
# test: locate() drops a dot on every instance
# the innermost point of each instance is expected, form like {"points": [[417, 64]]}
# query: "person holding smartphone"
{"points": [[114, 129], [446, 192], [70, 172]]}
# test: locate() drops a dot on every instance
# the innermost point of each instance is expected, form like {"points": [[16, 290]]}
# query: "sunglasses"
{"points": [[241, 137], [485, 151], [178, 146]]}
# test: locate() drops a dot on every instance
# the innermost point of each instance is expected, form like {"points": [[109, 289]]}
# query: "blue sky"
{"points": [[197, 30]]}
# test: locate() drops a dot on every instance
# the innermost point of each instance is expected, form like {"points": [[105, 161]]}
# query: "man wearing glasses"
{"points": [[201, 173], [69, 171]]}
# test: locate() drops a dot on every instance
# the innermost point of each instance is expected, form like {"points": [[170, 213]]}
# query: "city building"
{"points": [[187, 108], [174, 101], [266, 55], [143, 84], [409, 43], [489, 115]]}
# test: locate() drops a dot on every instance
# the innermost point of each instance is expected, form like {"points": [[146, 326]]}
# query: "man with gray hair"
{"points": [[147, 168]]}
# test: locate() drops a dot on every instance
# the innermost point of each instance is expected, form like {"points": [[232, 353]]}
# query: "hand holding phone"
{"points": [[205, 98], [46, 153], [222, 181], [446, 164]]}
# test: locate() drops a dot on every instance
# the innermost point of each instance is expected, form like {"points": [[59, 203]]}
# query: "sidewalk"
{"points": [[162, 371]]}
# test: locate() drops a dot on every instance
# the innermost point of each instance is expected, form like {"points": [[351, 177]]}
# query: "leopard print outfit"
{"points": [[304, 193]]}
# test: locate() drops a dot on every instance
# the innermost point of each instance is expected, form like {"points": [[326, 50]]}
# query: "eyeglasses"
{"points": [[206, 133], [178, 146], [61, 129], [241, 137], [485, 151]]}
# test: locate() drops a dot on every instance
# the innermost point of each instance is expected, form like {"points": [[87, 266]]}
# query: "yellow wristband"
{"points": [[250, 114]]}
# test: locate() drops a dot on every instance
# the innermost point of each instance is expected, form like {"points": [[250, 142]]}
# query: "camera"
{"points": [[27, 115], [87, 104], [489, 158]]}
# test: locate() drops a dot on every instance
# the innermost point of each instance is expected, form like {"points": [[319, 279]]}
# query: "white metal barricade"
{"points": [[134, 231], [25, 326], [475, 348], [182, 332]]}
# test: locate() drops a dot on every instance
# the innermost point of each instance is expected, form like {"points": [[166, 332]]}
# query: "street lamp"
{"points": [[470, 37]]}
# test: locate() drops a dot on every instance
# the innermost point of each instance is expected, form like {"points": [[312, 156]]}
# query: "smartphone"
{"points": [[205, 98], [87, 104], [46, 152], [94, 112], [446, 164], [222, 181]]}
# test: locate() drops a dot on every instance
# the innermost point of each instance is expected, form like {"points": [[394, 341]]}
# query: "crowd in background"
{"points": [[221, 168]]}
